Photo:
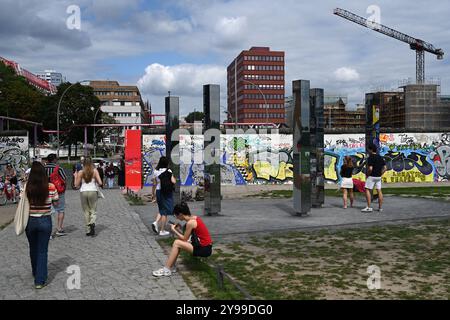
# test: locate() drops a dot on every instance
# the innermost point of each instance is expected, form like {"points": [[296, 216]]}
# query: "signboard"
{"points": [[133, 159]]}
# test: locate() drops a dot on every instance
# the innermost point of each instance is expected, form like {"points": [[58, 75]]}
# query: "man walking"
{"points": [[58, 177], [376, 167]]}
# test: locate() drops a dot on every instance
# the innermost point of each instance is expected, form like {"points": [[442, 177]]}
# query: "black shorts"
{"points": [[202, 251]]}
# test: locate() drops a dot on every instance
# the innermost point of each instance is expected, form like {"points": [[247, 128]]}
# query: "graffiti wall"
{"points": [[14, 150], [267, 158]]}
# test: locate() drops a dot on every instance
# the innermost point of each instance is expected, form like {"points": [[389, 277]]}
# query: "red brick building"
{"points": [[255, 83]]}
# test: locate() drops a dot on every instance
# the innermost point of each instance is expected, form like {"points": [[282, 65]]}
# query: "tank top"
{"points": [[202, 233], [91, 186]]}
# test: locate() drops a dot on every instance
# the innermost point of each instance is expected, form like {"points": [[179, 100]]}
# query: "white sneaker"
{"points": [[380, 210], [164, 233], [367, 209], [163, 272], [155, 227]]}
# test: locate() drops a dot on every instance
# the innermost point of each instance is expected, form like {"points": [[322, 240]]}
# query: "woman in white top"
{"points": [[88, 181], [163, 198]]}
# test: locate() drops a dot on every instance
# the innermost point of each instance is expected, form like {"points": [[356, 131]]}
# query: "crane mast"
{"points": [[418, 45]]}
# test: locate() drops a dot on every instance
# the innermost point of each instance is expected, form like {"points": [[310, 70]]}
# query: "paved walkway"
{"points": [[242, 217], [116, 264]]}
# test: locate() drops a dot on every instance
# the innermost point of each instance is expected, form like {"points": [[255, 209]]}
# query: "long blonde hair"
{"points": [[88, 170]]}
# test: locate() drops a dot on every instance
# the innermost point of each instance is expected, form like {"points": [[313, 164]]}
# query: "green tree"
{"points": [[195, 116], [18, 99]]}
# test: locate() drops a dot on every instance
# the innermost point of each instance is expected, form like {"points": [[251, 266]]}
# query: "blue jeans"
{"points": [[38, 233]]}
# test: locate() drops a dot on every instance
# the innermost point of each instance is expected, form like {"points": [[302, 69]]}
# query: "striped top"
{"points": [[45, 210], [50, 167]]}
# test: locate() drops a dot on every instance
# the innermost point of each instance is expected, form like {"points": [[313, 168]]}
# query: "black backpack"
{"points": [[166, 182]]}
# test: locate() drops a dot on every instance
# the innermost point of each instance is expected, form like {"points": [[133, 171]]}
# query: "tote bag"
{"points": [[22, 214]]}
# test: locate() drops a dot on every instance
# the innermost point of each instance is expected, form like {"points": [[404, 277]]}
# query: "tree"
{"points": [[195, 116]]}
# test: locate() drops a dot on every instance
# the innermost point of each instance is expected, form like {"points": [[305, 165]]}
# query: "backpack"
{"points": [[166, 182], [57, 180]]}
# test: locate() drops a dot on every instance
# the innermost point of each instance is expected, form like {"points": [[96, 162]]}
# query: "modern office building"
{"points": [[123, 103], [255, 87], [52, 77]]}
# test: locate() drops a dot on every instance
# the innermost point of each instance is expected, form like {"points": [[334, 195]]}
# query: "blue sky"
{"points": [[179, 45]]}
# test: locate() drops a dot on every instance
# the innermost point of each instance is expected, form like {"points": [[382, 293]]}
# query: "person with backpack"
{"points": [[376, 167], [163, 187], [57, 177], [196, 239]]}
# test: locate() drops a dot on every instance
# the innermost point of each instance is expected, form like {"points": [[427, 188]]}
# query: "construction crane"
{"points": [[418, 45]]}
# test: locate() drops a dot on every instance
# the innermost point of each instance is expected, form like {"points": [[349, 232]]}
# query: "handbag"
{"points": [[100, 194], [22, 214]]}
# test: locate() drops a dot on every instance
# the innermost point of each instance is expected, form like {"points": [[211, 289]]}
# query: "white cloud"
{"points": [[230, 30], [181, 80], [346, 74]]}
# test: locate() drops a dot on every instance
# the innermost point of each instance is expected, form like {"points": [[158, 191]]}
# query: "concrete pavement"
{"points": [[116, 264]]}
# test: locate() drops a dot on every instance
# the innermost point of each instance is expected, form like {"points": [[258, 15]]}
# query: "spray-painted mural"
{"points": [[14, 150], [267, 158]]}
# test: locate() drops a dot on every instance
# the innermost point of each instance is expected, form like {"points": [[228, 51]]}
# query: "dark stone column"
{"points": [[172, 140], [317, 148], [302, 147], [211, 153], [373, 120]]}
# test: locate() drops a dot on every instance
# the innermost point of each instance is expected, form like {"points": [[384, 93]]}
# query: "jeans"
{"points": [[38, 232], [110, 182]]}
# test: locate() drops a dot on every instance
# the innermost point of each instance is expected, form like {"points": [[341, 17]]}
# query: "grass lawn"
{"points": [[438, 193], [414, 262]]}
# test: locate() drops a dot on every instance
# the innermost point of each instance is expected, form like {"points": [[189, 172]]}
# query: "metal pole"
{"points": [[35, 141], [57, 112], [85, 141]]}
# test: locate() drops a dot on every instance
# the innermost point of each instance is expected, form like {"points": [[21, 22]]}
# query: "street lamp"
{"points": [[95, 130], [57, 112], [265, 101]]}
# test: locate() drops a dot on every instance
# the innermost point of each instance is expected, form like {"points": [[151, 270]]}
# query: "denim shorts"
{"points": [[165, 203], [61, 204]]}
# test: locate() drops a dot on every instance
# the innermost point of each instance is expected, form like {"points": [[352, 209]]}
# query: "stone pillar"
{"points": [[302, 147], [373, 120], [211, 153], [317, 148], [172, 140]]}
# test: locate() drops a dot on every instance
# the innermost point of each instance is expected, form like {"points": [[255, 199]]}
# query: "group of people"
{"points": [[45, 191], [108, 173], [376, 167]]}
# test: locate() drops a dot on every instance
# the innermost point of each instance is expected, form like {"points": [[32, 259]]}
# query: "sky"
{"points": [[182, 45]]}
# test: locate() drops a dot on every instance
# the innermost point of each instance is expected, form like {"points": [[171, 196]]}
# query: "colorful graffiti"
{"points": [[14, 150], [267, 159]]}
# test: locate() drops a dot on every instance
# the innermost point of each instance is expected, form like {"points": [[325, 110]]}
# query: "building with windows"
{"points": [[413, 107], [32, 79], [336, 114], [255, 87], [123, 103], [52, 77]]}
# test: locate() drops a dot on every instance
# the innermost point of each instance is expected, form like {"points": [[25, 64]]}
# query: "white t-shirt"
{"points": [[156, 174]]}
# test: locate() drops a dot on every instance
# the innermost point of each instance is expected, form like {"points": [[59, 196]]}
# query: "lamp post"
{"points": [[95, 130], [265, 101], [57, 112]]}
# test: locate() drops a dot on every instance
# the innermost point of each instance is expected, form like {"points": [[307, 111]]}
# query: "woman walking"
{"points": [[347, 181], [164, 195], [110, 175], [41, 195], [121, 174], [88, 181]]}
